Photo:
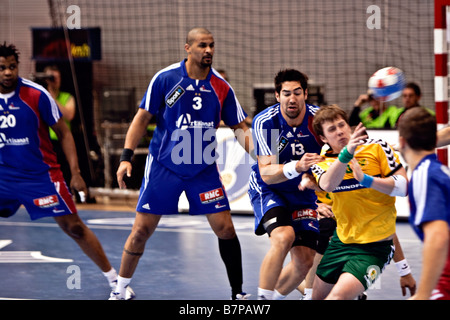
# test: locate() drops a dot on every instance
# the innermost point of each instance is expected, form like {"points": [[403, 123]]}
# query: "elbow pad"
{"points": [[400, 186]]}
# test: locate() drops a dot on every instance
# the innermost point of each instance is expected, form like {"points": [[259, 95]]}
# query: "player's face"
{"points": [[292, 100], [336, 133], [9, 73], [201, 51], [55, 83], [409, 97]]}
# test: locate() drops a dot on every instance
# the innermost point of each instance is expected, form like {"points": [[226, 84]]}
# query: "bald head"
{"points": [[194, 33]]}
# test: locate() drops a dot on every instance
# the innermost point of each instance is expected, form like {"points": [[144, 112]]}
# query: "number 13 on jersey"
{"points": [[297, 149]]}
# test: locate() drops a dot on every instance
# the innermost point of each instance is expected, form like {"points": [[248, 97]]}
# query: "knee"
{"points": [[226, 232], [309, 258], [140, 233], [304, 258], [75, 230], [224, 229], [282, 238]]}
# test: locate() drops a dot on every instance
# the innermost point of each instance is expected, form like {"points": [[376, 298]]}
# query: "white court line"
{"points": [[28, 257], [241, 229], [116, 227], [4, 243]]}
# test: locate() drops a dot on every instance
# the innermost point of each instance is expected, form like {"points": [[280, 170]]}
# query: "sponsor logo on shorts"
{"points": [[47, 202], [372, 274], [304, 214], [211, 196], [219, 205]]}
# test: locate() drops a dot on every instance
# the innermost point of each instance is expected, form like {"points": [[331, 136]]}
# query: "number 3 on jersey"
{"points": [[197, 103]]}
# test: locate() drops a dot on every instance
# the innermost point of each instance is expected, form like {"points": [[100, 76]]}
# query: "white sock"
{"points": [[111, 276], [308, 294], [122, 284], [278, 296], [264, 294]]}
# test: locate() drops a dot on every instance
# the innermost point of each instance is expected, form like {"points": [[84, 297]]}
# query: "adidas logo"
{"points": [[270, 203], [146, 206], [190, 88], [289, 135]]}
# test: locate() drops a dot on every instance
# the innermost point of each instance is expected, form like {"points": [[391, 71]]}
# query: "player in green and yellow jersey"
{"points": [[363, 176]]}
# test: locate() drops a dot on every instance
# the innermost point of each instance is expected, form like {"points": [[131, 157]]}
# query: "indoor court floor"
{"points": [[181, 260]]}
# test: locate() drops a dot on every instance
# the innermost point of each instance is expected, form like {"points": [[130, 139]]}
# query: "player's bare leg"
{"points": [[222, 224], [296, 270], [281, 239], [143, 227], [348, 287], [73, 226], [321, 289]]}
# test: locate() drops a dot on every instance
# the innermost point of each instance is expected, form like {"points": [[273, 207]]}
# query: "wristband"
{"points": [[126, 155], [403, 268], [289, 170], [400, 186], [367, 181], [345, 156]]}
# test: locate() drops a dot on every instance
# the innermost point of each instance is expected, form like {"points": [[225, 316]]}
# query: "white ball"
{"points": [[387, 84]]}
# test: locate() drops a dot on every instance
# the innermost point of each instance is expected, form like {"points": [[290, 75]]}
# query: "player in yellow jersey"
{"points": [[363, 176]]}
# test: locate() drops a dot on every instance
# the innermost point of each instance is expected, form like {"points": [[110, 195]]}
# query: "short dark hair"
{"points": [[9, 50], [290, 75], [415, 87], [418, 127], [327, 113]]}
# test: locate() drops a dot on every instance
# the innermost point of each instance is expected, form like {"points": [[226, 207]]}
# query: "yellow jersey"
{"points": [[363, 215]]}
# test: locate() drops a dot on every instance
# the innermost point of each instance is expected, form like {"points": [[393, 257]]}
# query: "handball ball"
{"points": [[387, 84]]}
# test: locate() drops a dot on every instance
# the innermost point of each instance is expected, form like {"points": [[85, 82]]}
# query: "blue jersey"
{"points": [[188, 112], [25, 116], [429, 193], [273, 136]]}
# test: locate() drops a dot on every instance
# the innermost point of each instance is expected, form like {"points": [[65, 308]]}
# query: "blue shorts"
{"points": [[44, 195], [301, 213], [161, 190]]}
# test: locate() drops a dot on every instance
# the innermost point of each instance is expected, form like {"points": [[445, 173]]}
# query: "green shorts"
{"points": [[364, 261]]}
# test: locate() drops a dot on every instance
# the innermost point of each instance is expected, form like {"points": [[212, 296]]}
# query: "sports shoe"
{"points": [[115, 296], [129, 295], [241, 296], [362, 296]]}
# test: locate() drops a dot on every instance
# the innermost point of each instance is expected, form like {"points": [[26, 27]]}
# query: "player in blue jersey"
{"points": [[286, 147], [429, 198], [188, 100], [30, 173]]}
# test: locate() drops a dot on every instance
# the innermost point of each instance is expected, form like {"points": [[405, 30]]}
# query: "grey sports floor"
{"points": [[181, 261]]}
